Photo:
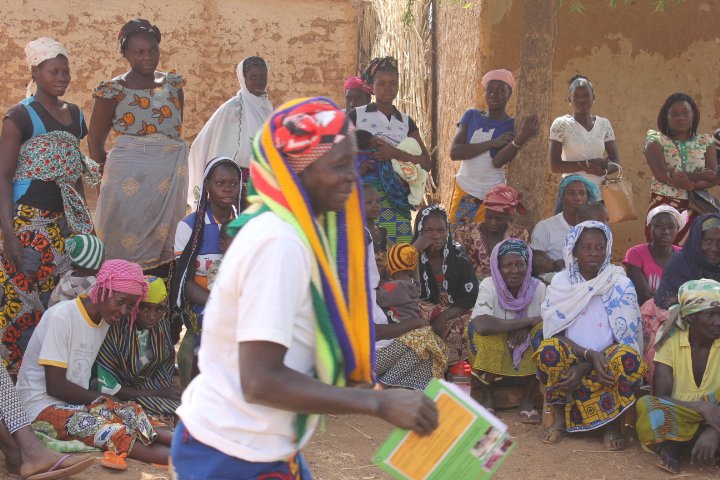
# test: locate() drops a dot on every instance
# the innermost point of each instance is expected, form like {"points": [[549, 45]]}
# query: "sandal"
{"points": [[114, 461], [57, 471], [530, 417]]}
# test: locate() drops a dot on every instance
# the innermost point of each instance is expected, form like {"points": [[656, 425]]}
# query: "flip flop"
{"points": [[114, 461], [55, 472], [661, 463], [530, 417]]}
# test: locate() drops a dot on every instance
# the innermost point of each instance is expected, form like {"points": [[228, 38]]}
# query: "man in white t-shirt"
{"points": [[245, 415], [548, 236]]}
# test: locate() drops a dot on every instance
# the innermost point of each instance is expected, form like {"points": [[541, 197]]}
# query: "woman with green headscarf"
{"points": [[684, 410], [137, 359]]}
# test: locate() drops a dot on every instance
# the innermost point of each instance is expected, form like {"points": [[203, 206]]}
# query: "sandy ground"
{"points": [[343, 452]]}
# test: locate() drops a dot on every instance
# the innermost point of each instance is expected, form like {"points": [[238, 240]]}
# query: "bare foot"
{"points": [[613, 439]]}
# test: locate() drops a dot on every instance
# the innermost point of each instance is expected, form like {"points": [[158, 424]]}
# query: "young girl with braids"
{"points": [[197, 246], [389, 126]]}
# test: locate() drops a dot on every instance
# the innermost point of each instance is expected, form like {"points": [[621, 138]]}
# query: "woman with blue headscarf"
{"points": [[590, 361], [548, 236]]}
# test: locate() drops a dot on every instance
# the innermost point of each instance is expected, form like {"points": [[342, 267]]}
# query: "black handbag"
{"points": [[702, 201]]}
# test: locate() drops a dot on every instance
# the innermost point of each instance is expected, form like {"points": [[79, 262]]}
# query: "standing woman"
{"points": [[681, 160], [484, 143], [197, 246], [39, 205], [230, 130], [142, 196], [579, 141], [390, 127]]}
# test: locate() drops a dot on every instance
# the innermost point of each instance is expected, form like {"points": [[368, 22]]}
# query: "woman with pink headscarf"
{"points": [[485, 141], [54, 381], [357, 93]]}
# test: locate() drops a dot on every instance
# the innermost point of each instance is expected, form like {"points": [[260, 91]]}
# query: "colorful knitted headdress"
{"points": [[298, 133]]}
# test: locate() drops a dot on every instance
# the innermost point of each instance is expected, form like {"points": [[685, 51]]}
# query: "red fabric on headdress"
{"points": [[357, 82], [120, 276], [502, 198], [305, 133]]}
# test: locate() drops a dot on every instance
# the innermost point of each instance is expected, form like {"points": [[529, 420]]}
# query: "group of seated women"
{"points": [[577, 335]]}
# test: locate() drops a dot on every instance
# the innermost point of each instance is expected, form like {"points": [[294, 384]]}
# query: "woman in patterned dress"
{"points": [[590, 361], [389, 126], [144, 188], [40, 165], [680, 159], [479, 239]]}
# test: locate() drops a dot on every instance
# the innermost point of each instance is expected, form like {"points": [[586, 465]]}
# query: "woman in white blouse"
{"points": [[579, 141]]}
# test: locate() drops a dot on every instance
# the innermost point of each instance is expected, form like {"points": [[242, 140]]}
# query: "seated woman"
{"points": [[23, 452], [645, 262], [479, 239], [589, 361], [415, 354], [55, 378], [506, 316], [137, 361], [698, 258], [548, 236], [197, 247], [448, 283], [684, 410], [680, 159]]}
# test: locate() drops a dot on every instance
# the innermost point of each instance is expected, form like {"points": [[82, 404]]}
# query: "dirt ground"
{"points": [[344, 451]]}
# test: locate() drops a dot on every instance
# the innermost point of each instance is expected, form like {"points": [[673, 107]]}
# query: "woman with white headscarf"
{"points": [[40, 167], [230, 130], [645, 262]]}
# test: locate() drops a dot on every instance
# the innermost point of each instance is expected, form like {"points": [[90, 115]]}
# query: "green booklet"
{"points": [[469, 443]]}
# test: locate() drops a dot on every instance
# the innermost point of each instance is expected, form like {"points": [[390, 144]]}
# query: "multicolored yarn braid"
{"points": [[120, 276], [339, 285]]}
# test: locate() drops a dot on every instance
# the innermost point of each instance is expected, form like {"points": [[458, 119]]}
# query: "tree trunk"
{"points": [[529, 172]]}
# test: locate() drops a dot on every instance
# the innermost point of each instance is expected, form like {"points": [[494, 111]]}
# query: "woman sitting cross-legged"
{"points": [[505, 318], [684, 410], [137, 359], [590, 360], [55, 378]]}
